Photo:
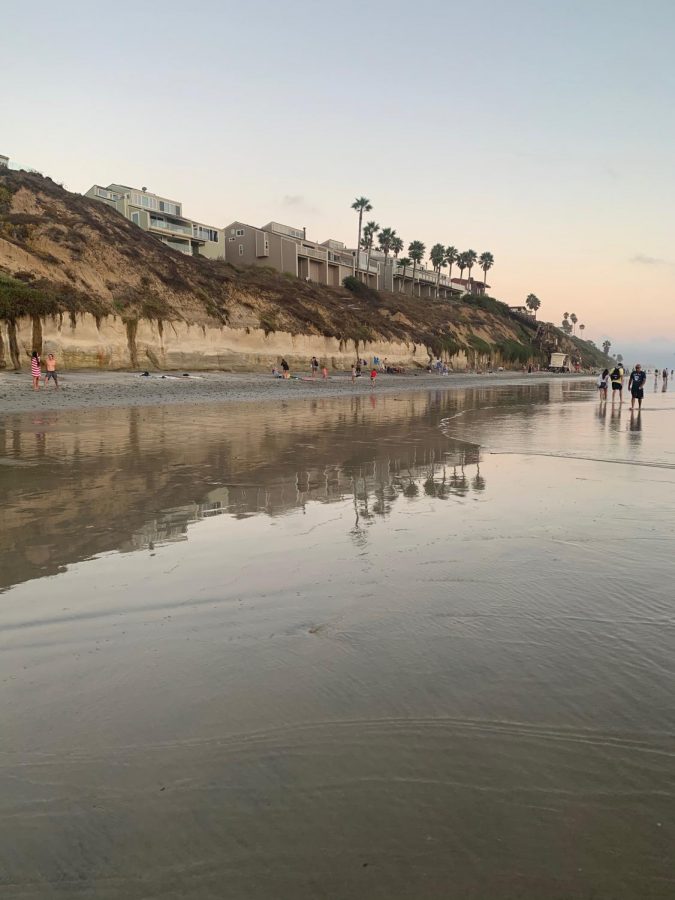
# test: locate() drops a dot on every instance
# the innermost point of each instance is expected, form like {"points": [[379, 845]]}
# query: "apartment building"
{"points": [[4, 161], [162, 218], [395, 278], [288, 249], [470, 286]]}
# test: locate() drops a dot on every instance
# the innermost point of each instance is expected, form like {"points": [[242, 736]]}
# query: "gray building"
{"points": [[288, 249], [163, 218], [4, 161]]}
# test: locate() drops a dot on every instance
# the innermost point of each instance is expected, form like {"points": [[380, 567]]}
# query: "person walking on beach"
{"points": [[353, 374], [35, 370], [617, 382], [324, 373], [286, 368], [373, 376], [636, 385], [315, 366], [51, 374], [603, 383]]}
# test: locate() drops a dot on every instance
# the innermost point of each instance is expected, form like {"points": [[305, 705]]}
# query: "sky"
{"points": [[540, 130]]}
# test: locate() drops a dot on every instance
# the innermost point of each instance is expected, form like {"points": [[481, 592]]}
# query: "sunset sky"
{"points": [[541, 131]]}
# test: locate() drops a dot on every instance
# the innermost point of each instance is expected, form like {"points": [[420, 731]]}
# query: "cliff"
{"points": [[79, 279]]}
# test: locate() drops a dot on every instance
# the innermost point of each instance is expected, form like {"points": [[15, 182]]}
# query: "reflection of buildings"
{"points": [[373, 487], [111, 479]]}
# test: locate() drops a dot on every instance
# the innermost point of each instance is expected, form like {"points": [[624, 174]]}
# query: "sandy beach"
{"points": [[82, 390], [389, 645]]}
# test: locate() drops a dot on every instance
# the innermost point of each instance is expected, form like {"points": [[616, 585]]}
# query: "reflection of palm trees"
{"points": [[478, 482]]}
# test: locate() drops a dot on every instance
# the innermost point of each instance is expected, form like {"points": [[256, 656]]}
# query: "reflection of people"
{"points": [[635, 420], [35, 370], [51, 371], [636, 385]]}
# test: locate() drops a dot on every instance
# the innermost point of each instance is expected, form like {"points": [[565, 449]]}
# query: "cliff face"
{"points": [[78, 279]]}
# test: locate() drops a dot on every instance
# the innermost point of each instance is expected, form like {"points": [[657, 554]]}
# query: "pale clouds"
{"points": [[644, 260], [298, 202]]}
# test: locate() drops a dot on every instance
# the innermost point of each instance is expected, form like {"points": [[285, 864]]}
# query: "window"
{"points": [[241, 249], [240, 232], [136, 218]]}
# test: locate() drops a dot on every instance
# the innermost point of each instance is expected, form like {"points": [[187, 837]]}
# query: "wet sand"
{"points": [[88, 390], [364, 647]]}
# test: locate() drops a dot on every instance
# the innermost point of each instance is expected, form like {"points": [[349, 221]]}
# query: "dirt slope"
{"points": [[64, 253]]}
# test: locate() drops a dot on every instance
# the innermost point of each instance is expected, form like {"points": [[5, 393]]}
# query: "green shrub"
{"points": [[359, 289], [479, 345]]}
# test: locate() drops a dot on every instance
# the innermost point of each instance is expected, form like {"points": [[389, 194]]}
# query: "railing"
{"points": [[170, 226], [311, 252]]}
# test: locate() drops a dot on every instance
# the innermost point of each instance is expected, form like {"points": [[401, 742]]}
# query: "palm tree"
{"points": [[451, 256], [397, 245], [385, 241], [619, 358], [403, 263], [471, 259], [437, 257], [605, 347], [533, 302], [486, 261], [566, 316], [361, 205], [581, 329], [416, 251], [369, 233], [462, 263], [573, 320]]}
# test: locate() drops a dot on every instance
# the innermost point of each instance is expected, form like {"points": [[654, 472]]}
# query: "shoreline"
{"points": [[94, 389]]}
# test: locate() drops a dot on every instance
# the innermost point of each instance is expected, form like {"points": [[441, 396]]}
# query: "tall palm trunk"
{"points": [[412, 294], [358, 245]]}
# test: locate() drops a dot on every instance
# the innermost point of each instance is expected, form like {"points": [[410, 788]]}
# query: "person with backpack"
{"points": [[616, 377]]}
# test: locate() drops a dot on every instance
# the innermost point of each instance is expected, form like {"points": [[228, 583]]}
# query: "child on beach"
{"points": [[35, 370], [373, 376], [51, 374], [324, 373]]}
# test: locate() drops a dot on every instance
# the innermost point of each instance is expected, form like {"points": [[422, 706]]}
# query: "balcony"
{"points": [[172, 227], [311, 252]]}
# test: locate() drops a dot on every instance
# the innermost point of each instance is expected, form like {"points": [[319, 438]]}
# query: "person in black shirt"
{"points": [[636, 385]]}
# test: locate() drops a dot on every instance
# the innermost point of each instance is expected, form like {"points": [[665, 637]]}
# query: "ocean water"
{"points": [[384, 647]]}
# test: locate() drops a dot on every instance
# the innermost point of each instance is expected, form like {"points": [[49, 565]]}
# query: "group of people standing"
{"points": [[636, 384], [36, 370]]}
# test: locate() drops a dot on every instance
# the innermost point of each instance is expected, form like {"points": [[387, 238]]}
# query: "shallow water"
{"points": [[381, 647]]}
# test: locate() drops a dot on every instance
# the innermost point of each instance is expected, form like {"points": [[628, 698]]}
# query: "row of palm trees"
{"points": [[569, 324], [439, 255]]}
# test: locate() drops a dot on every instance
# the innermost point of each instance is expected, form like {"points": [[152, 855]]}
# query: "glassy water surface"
{"points": [[381, 647]]}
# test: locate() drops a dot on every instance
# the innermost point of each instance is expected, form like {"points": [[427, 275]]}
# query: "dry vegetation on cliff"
{"points": [[62, 253]]}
